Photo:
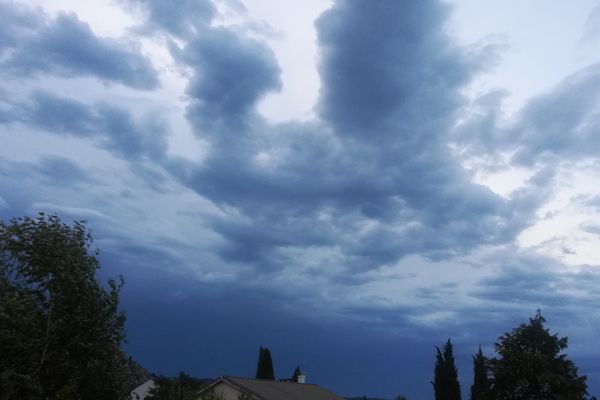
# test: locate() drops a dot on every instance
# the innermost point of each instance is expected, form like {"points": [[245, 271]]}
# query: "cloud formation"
{"points": [[370, 219], [555, 126], [230, 74], [373, 180], [115, 127], [186, 20], [35, 44]]}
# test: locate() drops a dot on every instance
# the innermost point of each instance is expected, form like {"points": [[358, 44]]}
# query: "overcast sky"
{"points": [[348, 183]]}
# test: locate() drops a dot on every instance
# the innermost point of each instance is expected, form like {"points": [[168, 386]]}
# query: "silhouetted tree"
{"points": [[60, 330], [264, 367], [530, 365], [296, 373], [445, 375], [183, 387], [481, 382]]}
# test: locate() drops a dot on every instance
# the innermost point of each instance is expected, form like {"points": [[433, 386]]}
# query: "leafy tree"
{"points": [[60, 330], [264, 367], [296, 373], [183, 387], [481, 382], [530, 365], [445, 375]]}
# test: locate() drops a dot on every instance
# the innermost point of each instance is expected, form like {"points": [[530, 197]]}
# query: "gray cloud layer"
{"points": [[32, 43], [370, 182], [374, 178], [186, 20], [116, 128], [324, 208], [561, 124]]}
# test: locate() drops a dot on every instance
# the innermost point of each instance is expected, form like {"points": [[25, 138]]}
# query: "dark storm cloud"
{"points": [[231, 74], [26, 186], [381, 62], [59, 115], [115, 127], [130, 138], [374, 177], [17, 20], [524, 285], [526, 279], [33, 43]]}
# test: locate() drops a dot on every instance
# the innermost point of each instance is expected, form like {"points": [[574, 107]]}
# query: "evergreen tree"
{"points": [[530, 365], [296, 373], [60, 330], [264, 367], [481, 383], [445, 375]]}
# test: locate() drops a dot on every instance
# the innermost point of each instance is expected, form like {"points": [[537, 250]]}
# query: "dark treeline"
{"points": [[60, 330], [445, 374], [61, 333], [530, 365], [182, 387]]}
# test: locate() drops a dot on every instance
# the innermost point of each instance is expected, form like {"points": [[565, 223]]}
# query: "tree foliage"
{"points": [[183, 387], [530, 365], [264, 367], [297, 372], [60, 330], [481, 382], [445, 374]]}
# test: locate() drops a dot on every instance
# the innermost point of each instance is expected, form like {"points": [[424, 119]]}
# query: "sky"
{"points": [[347, 183]]}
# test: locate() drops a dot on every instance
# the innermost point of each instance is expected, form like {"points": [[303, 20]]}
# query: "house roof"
{"points": [[264, 389], [142, 391]]}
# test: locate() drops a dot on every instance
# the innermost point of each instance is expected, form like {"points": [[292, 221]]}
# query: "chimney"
{"points": [[301, 378]]}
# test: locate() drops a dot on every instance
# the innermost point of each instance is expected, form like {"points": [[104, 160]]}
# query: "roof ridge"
{"points": [[266, 380]]}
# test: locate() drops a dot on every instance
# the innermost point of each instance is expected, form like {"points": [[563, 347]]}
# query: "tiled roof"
{"points": [[276, 390]]}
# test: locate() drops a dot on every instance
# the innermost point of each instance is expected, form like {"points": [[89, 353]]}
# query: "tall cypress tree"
{"points": [[445, 375], [264, 367], [260, 366], [481, 382], [296, 373]]}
